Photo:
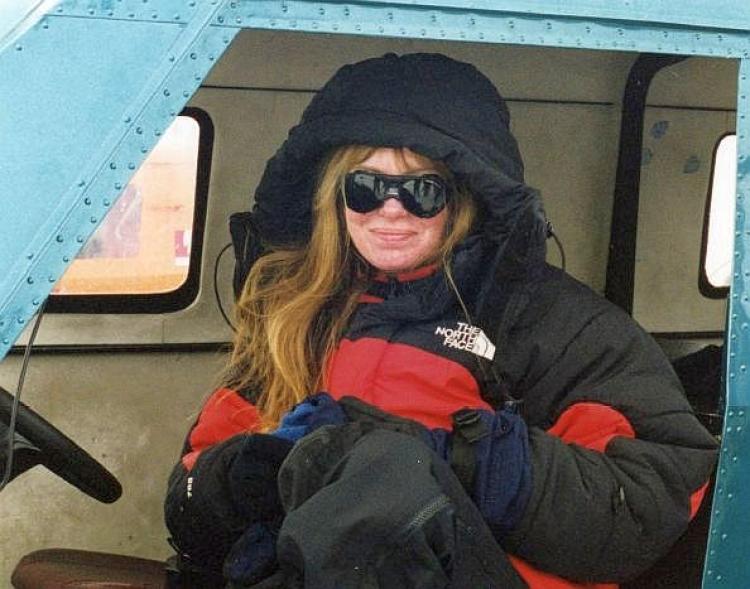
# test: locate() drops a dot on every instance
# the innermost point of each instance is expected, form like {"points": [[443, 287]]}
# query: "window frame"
{"points": [[185, 294], [705, 287]]}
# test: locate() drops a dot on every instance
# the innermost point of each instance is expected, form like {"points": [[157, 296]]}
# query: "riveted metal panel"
{"points": [[60, 211], [728, 14], [472, 24], [727, 564], [130, 10], [77, 122]]}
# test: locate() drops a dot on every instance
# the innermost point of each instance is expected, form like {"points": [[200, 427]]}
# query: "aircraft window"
{"points": [[140, 259], [718, 240]]}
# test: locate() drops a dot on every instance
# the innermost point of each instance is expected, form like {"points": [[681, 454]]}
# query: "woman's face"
{"points": [[390, 238]]}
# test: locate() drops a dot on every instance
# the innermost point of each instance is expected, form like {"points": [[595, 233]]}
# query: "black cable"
{"points": [[551, 233], [216, 287], [17, 397]]}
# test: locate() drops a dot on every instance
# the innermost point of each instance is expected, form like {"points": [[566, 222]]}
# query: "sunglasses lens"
{"points": [[361, 192], [422, 196]]}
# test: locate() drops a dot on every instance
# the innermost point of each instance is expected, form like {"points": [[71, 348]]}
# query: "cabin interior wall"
{"points": [[131, 412], [690, 106]]}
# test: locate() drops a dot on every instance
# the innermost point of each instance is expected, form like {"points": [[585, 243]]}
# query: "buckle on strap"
{"points": [[468, 429], [468, 424]]}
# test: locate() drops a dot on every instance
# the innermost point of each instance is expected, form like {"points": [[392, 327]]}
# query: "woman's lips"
{"points": [[393, 237]]}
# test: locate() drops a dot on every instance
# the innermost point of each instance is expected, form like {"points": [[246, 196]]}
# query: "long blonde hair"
{"points": [[297, 302]]}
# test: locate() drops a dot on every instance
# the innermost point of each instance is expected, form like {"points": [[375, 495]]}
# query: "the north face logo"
{"points": [[469, 338]]}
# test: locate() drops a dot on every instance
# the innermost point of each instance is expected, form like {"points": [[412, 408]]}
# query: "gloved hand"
{"points": [[305, 417], [252, 477], [499, 463], [502, 475]]}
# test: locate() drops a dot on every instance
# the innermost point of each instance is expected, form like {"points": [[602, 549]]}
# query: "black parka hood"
{"points": [[436, 106]]}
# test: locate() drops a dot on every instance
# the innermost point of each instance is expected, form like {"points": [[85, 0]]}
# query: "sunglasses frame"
{"points": [[393, 189]]}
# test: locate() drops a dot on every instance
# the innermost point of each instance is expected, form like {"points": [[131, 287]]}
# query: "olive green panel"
{"points": [[675, 175]]}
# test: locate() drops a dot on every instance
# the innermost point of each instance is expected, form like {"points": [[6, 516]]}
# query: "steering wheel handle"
{"points": [[60, 454]]}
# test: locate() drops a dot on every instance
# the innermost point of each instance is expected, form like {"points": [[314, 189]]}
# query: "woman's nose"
{"points": [[392, 207]]}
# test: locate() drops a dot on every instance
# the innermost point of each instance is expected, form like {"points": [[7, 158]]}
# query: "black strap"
{"points": [[468, 429]]}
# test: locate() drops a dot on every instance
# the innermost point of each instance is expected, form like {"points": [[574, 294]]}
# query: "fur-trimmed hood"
{"points": [[439, 107]]}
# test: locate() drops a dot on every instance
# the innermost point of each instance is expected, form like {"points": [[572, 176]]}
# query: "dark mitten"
{"points": [[252, 477], [502, 475], [314, 412]]}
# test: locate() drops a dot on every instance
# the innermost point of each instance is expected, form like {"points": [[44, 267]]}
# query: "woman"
{"points": [[405, 268]]}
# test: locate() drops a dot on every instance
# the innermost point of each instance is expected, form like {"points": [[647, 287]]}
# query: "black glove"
{"points": [[252, 477]]}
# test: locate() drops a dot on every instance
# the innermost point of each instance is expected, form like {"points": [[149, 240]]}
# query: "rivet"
{"points": [[35, 302], [128, 119], [166, 92], [29, 256], [220, 19], [118, 186], [185, 94], [66, 259], [193, 56], [19, 48], [112, 166], [106, 202], [144, 149], [21, 320], [81, 183], [30, 280], [238, 20], [60, 239], [131, 166], [157, 133], [139, 130], [79, 239], [93, 219], [6, 341], [87, 201]]}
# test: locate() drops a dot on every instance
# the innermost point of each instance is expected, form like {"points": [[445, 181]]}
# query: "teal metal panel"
{"points": [[20, 15], [724, 14], [92, 90], [118, 71], [487, 24], [727, 562]]}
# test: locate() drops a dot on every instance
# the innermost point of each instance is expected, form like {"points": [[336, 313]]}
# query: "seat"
{"points": [[78, 569], [682, 568]]}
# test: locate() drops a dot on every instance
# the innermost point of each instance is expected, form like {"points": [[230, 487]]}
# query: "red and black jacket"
{"points": [[619, 462]]}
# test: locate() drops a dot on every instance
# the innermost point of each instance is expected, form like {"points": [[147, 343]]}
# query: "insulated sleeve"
{"points": [[619, 460], [200, 507]]}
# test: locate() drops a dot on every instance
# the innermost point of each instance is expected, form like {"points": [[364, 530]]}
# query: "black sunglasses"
{"points": [[423, 196]]}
